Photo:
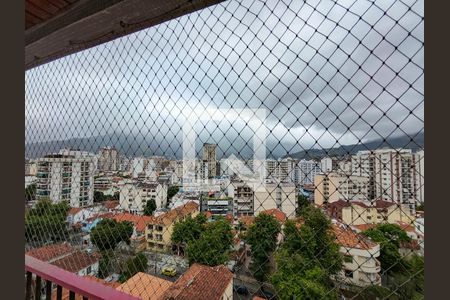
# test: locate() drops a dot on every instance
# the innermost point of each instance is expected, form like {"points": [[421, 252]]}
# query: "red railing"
{"points": [[77, 285]]}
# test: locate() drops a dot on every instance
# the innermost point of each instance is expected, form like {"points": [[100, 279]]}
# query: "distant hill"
{"points": [[414, 142], [136, 145]]}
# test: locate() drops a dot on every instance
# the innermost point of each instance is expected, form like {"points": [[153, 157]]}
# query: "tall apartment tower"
{"points": [[69, 176], [108, 159], [209, 157], [392, 174], [307, 170]]}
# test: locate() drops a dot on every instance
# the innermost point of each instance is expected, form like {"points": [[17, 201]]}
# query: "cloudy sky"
{"points": [[327, 72]]}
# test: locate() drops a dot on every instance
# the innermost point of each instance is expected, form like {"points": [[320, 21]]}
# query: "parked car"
{"points": [[241, 289], [169, 271]]}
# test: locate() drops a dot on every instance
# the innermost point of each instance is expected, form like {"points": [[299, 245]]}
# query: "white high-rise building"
{"points": [[68, 175], [134, 196], [281, 170], [392, 174], [326, 164], [419, 176], [138, 166], [307, 170], [108, 159], [331, 187]]}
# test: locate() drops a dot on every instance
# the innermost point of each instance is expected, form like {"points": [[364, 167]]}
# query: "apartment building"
{"points": [[392, 172], [361, 266], [30, 167], [282, 196], [209, 157], [419, 176], [158, 232], [334, 186], [217, 206], [281, 170], [108, 159], [243, 198], [67, 176], [134, 196], [308, 169], [376, 212]]}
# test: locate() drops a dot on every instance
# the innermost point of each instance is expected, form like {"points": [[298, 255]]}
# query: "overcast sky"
{"points": [[325, 71]]}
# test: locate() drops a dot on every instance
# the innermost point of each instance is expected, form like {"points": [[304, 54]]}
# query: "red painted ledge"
{"points": [[80, 285]]}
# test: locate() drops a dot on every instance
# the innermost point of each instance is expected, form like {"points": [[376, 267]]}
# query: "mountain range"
{"points": [[136, 145]]}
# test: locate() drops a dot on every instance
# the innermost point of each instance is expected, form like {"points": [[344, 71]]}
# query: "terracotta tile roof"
{"points": [[74, 210], [110, 204], [100, 216], [364, 227], [145, 286], [76, 261], [180, 211], [346, 237], [51, 252], [278, 214], [247, 220], [208, 214], [406, 226], [139, 221], [200, 283], [258, 298]]}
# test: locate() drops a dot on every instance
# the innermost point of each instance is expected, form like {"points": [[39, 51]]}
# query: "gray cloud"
{"points": [[327, 71]]}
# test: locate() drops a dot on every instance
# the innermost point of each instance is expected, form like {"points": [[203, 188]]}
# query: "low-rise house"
{"points": [[68, 258], [145, 286], [361, 266], [137, 240], [158, 231], [201, 282], [360, 212]]}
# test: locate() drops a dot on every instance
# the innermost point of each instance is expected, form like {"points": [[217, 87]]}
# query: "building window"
{"points": [[348, 273], [89, 270]]}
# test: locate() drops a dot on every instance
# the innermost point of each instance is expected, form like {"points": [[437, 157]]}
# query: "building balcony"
{"points": [[371, 268], [38, 271]]}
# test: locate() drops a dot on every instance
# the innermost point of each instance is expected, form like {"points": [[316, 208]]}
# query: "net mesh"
{"points": [[252, 148]]}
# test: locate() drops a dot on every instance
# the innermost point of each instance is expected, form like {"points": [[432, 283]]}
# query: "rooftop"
{"points": [[51, 252], [346, 237], [145, 286], [170, 216], [201, 283], [278, 214], [76, 261]]}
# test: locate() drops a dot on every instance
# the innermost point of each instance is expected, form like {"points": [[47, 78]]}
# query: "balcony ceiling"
{"points": [[56, 28]]}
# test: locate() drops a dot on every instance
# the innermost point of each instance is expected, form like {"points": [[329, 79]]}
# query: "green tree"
{"points": [[108, 233], [134, 265], [150, 207], [389, 236], [104, 264], [99, 196], [172, 191], [188, 230], [213, 246], [46, 222], [30, 192], [262, 238], [307, 258], [302, 203]]}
